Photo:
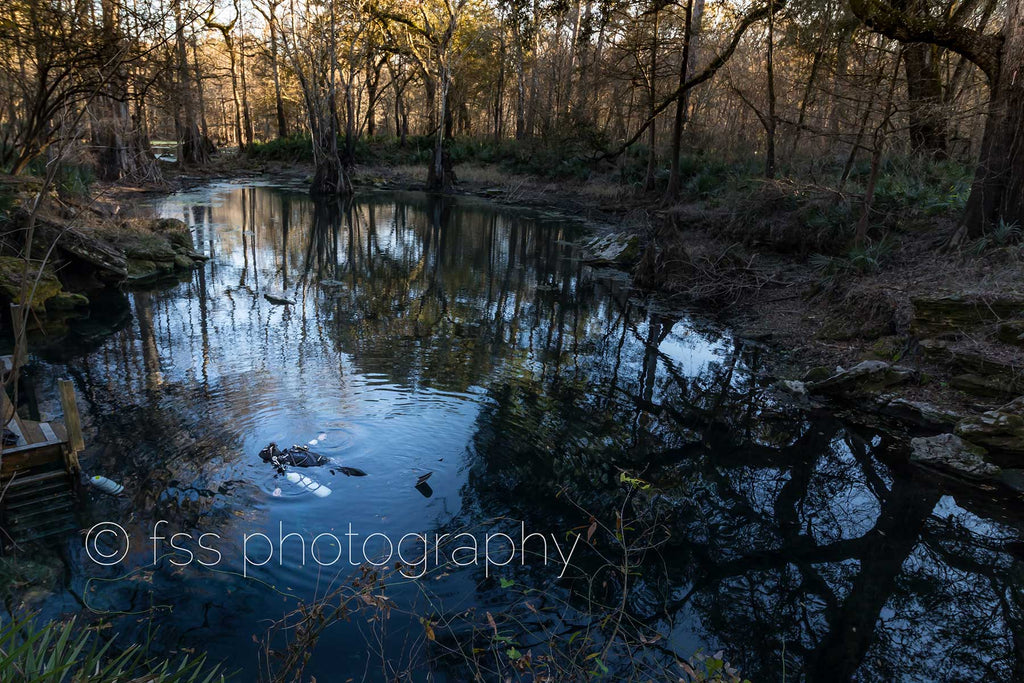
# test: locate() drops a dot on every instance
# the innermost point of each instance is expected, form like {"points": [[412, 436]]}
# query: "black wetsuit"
{"points": [[296, 456]]}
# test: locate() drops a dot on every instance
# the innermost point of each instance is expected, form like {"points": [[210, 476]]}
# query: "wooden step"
{"points": [[29, 515], [58, 527], [49, 498], [30, 478], [38, 486]]}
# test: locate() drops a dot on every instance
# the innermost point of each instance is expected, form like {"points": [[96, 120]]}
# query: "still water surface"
{"points": [[468, 341]]}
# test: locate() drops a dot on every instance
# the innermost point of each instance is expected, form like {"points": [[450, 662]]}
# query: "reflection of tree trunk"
{"points": [[852, 626], [147, 337], [657, 329], [286, 215], [204, 324]]}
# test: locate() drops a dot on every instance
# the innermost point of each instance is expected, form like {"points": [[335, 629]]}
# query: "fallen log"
{"points": [[77, 244]]}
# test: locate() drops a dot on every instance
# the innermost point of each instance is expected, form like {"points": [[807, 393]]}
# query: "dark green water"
{"points": [[468, 341]]}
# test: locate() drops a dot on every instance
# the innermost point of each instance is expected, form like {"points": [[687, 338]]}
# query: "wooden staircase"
{"points": [[39, 473]]}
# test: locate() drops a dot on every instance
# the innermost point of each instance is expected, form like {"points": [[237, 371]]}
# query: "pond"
{"points": [[469, 342]]}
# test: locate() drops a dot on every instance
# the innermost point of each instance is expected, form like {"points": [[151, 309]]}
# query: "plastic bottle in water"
{"points": [[316, 488], [106, 485]]}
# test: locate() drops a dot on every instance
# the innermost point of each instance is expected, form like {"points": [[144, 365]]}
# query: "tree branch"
{"points": [[980, 48], [708, 73]]}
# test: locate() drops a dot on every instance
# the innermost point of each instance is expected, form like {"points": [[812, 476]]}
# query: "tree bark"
{"points": [[998, 190], [927, 125], [769, 157], [192, 149], [674, 180], [652, 80]]}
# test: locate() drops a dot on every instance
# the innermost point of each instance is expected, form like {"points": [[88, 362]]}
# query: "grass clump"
{"points": [[61, 652]]}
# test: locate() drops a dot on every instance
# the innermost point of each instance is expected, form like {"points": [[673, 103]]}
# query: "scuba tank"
{"points": [[106, 485], [316, 488]]}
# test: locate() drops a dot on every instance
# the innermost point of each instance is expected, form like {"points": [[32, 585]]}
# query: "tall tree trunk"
{"points": [[805, 101], [246, 113], [331, 174], [229, 43], [121, 148], [531, 116], [998, 190], [652, 101], [927, 125], [499, 90], [521, 129], [674, 181], [204, 126], [769, 126], [439, 176], [192, 149], [271, 17]]}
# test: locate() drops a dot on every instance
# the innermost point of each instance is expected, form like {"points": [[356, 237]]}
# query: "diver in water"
{"points": [[296, 456], [301, 456]]}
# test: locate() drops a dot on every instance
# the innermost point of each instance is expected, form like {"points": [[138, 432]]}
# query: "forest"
{"points": [[803, 89], [728, 291]]}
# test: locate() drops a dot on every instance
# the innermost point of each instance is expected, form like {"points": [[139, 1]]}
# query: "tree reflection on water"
{"points": [[793, 541]]}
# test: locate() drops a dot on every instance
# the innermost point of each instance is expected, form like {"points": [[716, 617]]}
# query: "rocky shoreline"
{"points": [[951, 376], [82, 250]]}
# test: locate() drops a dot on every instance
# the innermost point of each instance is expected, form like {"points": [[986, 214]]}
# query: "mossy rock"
{"points": [[11, 270], [149, 247], [819, 373], [136, 238], [867, 378], [183, 262], [1001, 429], [888, 348], [952, 315], [139, 269], [67, 301], [176, 232]]}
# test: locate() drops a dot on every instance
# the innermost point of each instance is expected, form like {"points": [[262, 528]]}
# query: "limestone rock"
{"points": [[139, 270], [176, 232], [918, 412], [11, 271], [950, 453], [66, 301], [864, 379], [614, 249], [950, 315], [985, 386], [792, 386], [816, 374], [1001, 429], [183, 262]]}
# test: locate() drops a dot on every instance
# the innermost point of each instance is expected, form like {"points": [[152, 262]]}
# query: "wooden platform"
{"points": [[39, 473]]}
